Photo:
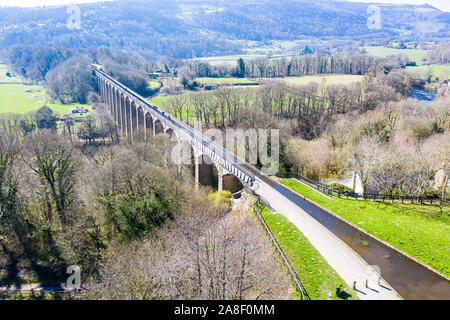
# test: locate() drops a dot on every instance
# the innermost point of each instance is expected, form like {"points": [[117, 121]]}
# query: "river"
{"points": [[423, 95]]}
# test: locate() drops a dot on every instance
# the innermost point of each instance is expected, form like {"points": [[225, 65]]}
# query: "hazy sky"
{"points": [[440, 4]]}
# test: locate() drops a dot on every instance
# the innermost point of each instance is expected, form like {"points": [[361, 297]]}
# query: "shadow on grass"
{"points": [[344, 295]]}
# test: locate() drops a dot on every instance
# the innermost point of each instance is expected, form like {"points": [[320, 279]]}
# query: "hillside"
{"points": [[183, 29]]}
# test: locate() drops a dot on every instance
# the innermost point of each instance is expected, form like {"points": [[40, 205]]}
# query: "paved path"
{"points": [[347, 263]]}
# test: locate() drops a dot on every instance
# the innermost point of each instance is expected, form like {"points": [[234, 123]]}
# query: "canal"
{"points": [[409, 278]]}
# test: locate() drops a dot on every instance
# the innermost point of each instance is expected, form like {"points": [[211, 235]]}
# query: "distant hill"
{"points": [[184, 28]]}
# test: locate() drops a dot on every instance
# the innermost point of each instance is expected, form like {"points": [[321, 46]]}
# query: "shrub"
{"points": [[340, 187], [221, 199]]}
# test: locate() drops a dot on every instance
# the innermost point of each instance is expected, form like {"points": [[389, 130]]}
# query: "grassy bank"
{"points": [[318, 278], [422, 231]]}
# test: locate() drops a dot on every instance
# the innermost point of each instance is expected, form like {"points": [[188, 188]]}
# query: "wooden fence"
{"points": [[375, 197]]}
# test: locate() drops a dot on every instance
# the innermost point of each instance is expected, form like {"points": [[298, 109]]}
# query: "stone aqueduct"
{"points": [[135, 116]]}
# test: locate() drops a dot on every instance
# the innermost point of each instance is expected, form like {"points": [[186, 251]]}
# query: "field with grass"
{"points": [[22, 98], [230, 81], [422, 231], [158, 100], [438, 70], [316, 275], [228, 60], [327, 79], [413, 54]]}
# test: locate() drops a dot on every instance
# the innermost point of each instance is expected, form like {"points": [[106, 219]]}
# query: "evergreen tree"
{"points": [[241, 68], [45, 118]]}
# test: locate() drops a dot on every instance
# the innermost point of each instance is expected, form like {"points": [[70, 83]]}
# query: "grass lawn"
{"points": [[413, 54], [422, 231], [206, 80], [318, 278], [328, 79]]}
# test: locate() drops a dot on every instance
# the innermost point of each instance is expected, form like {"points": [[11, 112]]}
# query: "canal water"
{"points": [[410, 279]]}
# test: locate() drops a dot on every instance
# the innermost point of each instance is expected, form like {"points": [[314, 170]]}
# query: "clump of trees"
{"points": [[72, 80], [440, 54], [99, 206], [395, 149], [205, 253], [308, 109]]}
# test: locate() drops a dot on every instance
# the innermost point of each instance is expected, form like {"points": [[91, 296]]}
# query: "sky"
{"points": [[443, 5]]}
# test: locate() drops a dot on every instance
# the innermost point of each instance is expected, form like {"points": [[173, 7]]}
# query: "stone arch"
{"points": [[123, 114], [170, 132], [128, 116], [207, 175], [159, 127], [140, 122], [115, 95], [148, 124], [108, 97], [133, 119], [232, 183]]}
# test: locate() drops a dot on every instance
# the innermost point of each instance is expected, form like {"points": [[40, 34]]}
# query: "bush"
{"points": [[221, 199], [134, 215], [340, 187]]}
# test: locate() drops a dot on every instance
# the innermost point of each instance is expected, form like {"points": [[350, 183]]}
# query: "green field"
{"points": [[230, 81], [413, 54], [22, 98], [316, 275], [228, 60], [19, 98], [438, 70], [327, 79], [153, 84], [422, 231], [158, 100]]}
